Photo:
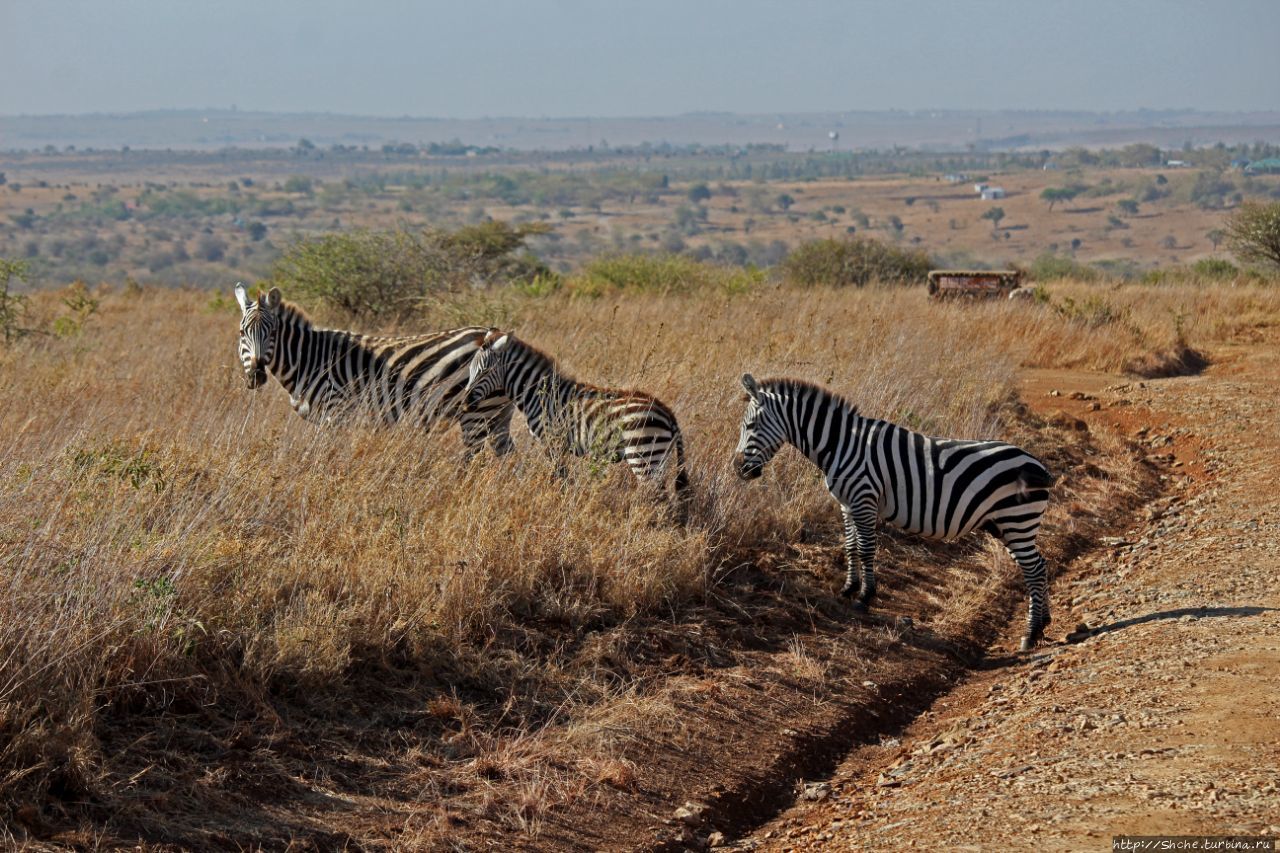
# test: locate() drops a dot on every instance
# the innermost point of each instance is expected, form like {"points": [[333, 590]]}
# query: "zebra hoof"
{"points": [[850, 591], [858, 606], [1031, 639]]}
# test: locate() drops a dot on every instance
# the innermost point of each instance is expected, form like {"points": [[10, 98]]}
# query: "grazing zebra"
{"points": [[330, 373], [937, 487], [579, 419]]}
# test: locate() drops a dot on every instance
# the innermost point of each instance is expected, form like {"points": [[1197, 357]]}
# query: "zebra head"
{"points": [[761, 432], [259, 325], [488, 374]]}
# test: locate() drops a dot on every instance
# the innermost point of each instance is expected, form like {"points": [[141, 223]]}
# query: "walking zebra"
{"points": [[937, 487], [579, 419], [330, 373]]}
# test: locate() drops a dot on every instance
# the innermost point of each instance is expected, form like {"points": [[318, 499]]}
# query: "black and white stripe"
{"points": [[878, 471], [578, 419], [330, 373]]}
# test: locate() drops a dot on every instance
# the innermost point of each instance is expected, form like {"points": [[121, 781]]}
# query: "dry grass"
{"points": [[176, 547], [1122, 327]]}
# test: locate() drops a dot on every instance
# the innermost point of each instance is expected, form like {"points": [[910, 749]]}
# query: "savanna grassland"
{"points": [[207, 218], [224, 627]]}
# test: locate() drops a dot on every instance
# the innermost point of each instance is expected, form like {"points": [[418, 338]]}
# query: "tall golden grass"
{"points": [[172, 539]]}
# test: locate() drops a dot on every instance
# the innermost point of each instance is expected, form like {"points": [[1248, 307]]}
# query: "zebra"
{"points": [[331, 373], [939, 488], [578, 419]]}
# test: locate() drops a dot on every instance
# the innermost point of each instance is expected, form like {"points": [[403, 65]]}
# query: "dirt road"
{"points": [[1164, 715]]}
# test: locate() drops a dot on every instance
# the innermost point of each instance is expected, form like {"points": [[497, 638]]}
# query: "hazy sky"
{"points": [[473, 58]]}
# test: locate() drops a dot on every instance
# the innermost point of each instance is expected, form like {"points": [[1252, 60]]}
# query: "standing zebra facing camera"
{"points": [[332, 373], [578, 419], [939, 488]]}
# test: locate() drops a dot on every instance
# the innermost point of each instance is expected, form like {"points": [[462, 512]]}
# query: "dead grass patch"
{"points": [[222, 623]]}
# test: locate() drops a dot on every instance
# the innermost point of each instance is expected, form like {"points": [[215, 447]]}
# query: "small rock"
{"points": [[1062, 420], [817, 791], [716, 839], [691, 813]]}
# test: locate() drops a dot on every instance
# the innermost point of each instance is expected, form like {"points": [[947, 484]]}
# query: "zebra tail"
{"points": [[1035, 476], [682, 478]]}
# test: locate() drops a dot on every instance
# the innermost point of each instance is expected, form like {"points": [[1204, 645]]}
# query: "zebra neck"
{"points": [[823, 429], [297, 343], [538, 389]]}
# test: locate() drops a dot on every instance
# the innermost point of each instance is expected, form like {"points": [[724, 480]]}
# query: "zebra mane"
{"points": [[292, 310], [786, 385], [544, 356]]}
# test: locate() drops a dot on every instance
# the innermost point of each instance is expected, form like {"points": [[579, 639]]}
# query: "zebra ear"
{"points": [[241, 297], [273, 298], [749, 382]]}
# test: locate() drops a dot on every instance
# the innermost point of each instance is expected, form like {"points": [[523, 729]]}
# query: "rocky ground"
{"points": [[1155, 707]]}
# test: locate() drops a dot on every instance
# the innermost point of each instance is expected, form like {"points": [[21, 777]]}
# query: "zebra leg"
{"points": [[474, 430], [1029, 559], [651, 473], [499, 429], [863, 521], [852, 583]]}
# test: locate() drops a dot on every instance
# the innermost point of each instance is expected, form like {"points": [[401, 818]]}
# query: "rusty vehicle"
{"points": [[973, 284]]}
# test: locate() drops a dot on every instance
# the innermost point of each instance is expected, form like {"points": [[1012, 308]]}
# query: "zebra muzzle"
{"points": [[746, 470]]}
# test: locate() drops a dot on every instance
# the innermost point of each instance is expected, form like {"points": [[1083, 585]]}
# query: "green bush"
{"points": [[12, 305], [388, 274], [854, 263], [661, 273], [1212, 269], [1050, 266], [1216, 268]]}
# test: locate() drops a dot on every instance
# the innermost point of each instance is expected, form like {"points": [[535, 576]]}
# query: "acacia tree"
{"points": [[995, 214], [1253, 233], [1053, 195]]}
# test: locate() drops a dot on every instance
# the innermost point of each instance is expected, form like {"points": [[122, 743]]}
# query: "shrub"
{"points": [[387, 274], [853, 262], [1049, 266], [12, 305], [495, 251], [1253, 233], [211, 248], [298, 184], [663, 273], [1092, 311], [1215, 268]]}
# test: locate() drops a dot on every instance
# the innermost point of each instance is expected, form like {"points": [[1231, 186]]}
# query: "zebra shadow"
{"points": [[1000, 661], [1079, 636]]}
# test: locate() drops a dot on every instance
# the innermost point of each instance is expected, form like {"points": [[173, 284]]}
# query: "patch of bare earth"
{"points": [[1162, 713]]}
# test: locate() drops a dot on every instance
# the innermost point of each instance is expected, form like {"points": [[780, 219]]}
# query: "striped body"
{"points": [[578, 419], [332, 373], [880, 472]]}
